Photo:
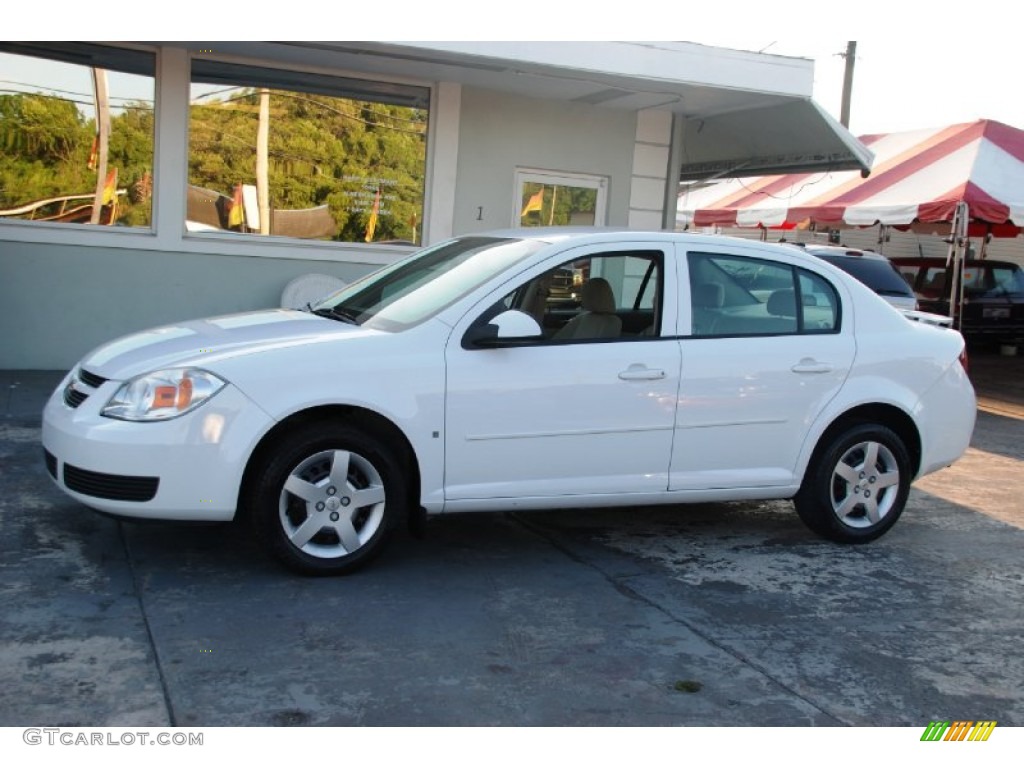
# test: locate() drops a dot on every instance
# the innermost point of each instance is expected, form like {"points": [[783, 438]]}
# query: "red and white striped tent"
{"points": [[918, 177]]}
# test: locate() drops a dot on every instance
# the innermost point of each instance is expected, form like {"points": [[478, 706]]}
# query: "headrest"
{"points": [[598, 296], [708, 295], [782, 303]]}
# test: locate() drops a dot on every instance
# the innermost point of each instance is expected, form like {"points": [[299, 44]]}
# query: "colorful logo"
{"points": [[958, 730]]}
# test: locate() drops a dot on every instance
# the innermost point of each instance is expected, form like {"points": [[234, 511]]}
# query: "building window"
{"points": [[76, 131], [548, 199], [276, 152]]}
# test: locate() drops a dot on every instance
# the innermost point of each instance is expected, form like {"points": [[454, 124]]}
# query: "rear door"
{"points": [[766, 347]]}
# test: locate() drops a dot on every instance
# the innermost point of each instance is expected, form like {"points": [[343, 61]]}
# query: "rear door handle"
{"points": [[640, 372], [810, 365]]}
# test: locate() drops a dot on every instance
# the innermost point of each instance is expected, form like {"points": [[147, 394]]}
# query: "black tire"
{"points": [[352, 494], [857, 484]]}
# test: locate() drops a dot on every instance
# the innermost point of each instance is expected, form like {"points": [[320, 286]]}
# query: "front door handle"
{"points": [[810, 365], [640, 372]]}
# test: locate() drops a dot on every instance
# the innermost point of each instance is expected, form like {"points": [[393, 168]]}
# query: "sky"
{"points": [[907, 84], [912, 70]]}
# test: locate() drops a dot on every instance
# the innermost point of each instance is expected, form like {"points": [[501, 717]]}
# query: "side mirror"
{"points": [[510, 328]]}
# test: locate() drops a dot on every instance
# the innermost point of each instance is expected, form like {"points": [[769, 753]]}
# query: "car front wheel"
{"points": [[325, 500], [857, 485]]}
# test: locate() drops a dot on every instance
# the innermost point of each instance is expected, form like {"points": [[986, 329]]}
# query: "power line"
{"points": [[328, 107], [54, 91]]}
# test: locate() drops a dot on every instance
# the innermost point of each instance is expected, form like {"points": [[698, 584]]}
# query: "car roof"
{"points": [[598, 234], [583, 236], [553, 234]]}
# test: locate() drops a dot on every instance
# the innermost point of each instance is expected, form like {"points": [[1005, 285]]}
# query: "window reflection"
{"points": [[76, 127], [558, 205], [323, 158]]}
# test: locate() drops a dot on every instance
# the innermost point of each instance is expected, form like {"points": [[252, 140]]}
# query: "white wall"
{"points": [[57, 302], [499, 133]]}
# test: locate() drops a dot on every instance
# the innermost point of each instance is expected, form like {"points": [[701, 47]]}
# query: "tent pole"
{"points": [[965, 222], [955, 259]]}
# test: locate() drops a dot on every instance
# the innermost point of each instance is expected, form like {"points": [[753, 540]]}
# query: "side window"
{"points": [[740, 296], [819, 302], [600, 297]]}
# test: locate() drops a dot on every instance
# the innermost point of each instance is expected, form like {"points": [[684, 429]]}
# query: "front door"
{"points": [[586, 409]]}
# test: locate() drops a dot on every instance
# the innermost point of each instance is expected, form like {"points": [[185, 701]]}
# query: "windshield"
{"points": [[418, 287]]}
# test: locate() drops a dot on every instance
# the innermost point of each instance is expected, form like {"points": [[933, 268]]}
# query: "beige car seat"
{"points": [[598, 319]]}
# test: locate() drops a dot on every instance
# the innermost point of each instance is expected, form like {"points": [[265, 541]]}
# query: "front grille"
{"points": [[51, 463], [90, 379], [72, 397], [114, 487]]}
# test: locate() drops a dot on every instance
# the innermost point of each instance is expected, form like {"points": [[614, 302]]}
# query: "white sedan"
{"points": [[529, 369]]}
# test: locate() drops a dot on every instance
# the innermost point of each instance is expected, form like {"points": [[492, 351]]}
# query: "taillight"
{"points": [[963, 361]]}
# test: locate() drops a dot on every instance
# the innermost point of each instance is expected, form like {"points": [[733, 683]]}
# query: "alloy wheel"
{"points": [[332, 504]]}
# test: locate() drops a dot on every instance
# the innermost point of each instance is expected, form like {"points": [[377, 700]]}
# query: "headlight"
{"points": [[162, 394]]}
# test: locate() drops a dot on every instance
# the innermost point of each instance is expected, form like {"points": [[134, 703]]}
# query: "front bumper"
{"points": [[188, 468]]}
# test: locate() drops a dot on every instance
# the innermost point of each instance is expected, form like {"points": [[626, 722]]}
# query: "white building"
{"points": [[615, 125]]}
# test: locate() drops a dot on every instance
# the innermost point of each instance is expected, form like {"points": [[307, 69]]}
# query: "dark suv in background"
{"points": [[993, 308]]}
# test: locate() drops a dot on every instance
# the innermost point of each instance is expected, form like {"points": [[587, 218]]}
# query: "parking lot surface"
{"points": [[711, 614]]}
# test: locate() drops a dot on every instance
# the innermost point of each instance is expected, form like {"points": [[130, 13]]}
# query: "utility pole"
{"points": [[850, 56], [262, 162], [102, 95]]}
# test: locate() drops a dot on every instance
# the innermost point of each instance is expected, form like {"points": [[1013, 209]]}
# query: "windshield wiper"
{"points": [[336, 314]]}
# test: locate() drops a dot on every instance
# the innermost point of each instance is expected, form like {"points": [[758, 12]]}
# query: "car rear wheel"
{"points": [[325, 500], [857, 485]]}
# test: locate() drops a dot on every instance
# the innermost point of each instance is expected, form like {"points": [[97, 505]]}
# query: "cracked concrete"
{"points": [[712, 614]]}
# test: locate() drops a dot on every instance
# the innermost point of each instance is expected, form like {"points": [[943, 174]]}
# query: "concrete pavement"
{"points": [[709, 614]]}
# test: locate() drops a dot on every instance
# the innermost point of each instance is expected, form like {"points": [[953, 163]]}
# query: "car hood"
{"points": [[202, 343]]}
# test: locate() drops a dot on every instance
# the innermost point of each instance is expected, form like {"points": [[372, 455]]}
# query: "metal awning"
{"points": [[789, 137]]}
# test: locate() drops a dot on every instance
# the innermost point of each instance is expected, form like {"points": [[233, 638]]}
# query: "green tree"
{"points": [[46, 145], [131, 152], [322, 151]]}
